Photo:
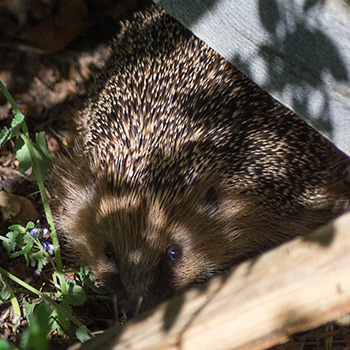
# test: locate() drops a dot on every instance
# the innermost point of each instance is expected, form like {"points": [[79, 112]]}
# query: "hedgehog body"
{"points": [[185, 167]]}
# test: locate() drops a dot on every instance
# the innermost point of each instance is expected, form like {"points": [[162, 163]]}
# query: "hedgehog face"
{"points": [[151, 250], [140, 246]]}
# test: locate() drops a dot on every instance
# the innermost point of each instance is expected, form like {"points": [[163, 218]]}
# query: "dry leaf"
{"points": [[17, 209], [54, 33]]}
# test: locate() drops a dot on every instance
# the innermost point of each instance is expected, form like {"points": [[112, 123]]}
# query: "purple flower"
{"points": [[48, 247], [34, 232], [44, 232]]}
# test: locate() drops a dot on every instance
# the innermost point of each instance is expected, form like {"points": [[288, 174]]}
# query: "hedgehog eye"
{"points": [[174, 253], [211, 201], [110, 255]]}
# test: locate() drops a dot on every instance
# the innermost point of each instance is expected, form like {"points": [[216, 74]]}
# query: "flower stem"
{"points": [[49, 217], [15, 304], [20, 282], [9, 98]]}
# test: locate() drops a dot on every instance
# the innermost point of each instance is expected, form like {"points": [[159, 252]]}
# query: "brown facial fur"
{"points": [[181, 152]]}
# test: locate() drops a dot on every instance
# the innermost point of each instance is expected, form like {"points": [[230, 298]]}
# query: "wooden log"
{"points": [[297, 50], [296, 286]]}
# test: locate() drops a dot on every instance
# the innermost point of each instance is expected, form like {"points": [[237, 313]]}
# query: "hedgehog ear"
{"points": [[210, 201]]}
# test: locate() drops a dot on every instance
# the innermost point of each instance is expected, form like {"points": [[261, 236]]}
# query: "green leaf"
{"points": [[9, 242], [27, 247], [17, 121], [39, 258], [89, 280], [23, 249], [41, 153], [18, 228], [35, 336], [4, 345], [76, 294], [41, 144], [5, 135], [28, 309], [60, 322], [83, 334], [5, 293], [30, 225], [44, 157], [22, 155]]}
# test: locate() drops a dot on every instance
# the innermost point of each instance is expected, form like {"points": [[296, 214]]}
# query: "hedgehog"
{"points": [[183, 167]]}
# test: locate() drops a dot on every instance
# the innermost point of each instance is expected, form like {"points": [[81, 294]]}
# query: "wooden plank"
{"points": [[297, 50], [299, 285]]}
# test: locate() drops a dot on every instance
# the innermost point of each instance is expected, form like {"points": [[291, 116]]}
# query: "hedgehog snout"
{"points": [[133, 297]]}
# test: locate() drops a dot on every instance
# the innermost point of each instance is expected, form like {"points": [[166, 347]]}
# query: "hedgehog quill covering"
{"points": [[184, 167]]}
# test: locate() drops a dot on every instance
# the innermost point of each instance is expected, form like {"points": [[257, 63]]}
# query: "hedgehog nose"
{"points": [[131, 310]]}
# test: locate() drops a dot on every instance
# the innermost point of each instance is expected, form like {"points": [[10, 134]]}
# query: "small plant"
{"points": [[47, 311], [26, 241]]}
